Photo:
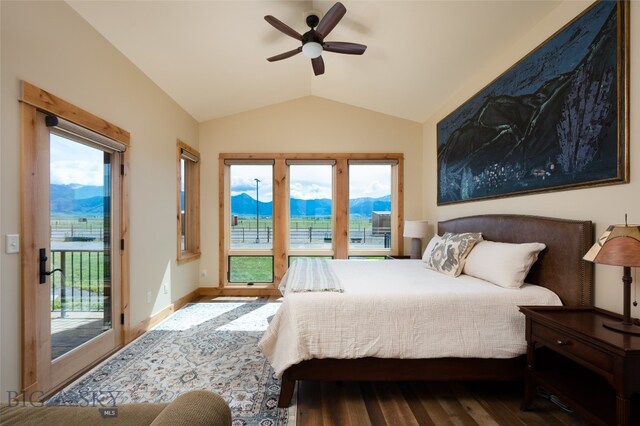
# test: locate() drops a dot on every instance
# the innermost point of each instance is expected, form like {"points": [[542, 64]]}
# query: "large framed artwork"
{"points": [[557, 119]]}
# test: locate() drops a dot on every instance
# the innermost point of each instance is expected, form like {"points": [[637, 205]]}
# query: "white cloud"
{"points": [[81, 172], [369, 181], [309, 182], [312, 191], [243, 181], [72, 162]]}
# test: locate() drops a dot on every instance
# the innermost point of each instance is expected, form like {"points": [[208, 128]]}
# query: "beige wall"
{"points": [[602, 205], [49, 45], [308, 124]]}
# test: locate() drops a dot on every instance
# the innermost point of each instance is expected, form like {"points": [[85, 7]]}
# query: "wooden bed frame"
{"points": [[559, 268]]}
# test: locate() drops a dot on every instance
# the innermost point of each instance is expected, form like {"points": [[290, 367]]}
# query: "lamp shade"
{"points": [[415, 229], [619, 245]]}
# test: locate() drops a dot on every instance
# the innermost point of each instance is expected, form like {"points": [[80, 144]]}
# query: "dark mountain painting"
{"points": [[550, 121]]}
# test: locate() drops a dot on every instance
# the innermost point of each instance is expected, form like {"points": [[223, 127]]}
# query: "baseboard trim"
{"points": [[147, 324], [187, 298]]}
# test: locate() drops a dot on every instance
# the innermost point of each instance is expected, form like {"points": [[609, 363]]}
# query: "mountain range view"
{"points": [[244, 205], [85, 201], [76, 200]]}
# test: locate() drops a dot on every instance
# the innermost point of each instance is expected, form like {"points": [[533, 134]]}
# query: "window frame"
{"points": [[356, 252], [303, 251], [191, 219], [244, 255], [225, 219], [281, 214], [32, 100]]}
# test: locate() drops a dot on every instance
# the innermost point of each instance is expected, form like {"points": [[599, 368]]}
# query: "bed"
{"points": [[559, 268]]}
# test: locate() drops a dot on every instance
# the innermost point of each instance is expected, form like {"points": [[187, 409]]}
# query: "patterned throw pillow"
{"points": [[427, 251], [449, 254]]}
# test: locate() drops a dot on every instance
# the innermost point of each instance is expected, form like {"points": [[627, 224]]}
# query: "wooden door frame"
{"points": [[32, 100]]}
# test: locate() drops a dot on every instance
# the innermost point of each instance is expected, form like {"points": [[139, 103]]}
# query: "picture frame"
{"points": [[558, 119]]}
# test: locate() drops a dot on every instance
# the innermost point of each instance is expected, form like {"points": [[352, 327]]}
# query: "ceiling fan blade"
{"points": [[285, 55], [330, 20], [282, 27], [343, 47], [318, 65]]}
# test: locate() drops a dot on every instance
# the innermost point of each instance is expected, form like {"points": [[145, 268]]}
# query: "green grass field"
{"points": [[255, 269], [302, 223]]}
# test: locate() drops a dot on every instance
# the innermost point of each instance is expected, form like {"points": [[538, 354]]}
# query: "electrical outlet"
{"points": [[148, 297], [203, 273]]}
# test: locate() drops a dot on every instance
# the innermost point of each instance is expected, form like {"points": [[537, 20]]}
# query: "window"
{"points": [[251, 206], [250, 269], [370, 204], [249, 222], [284, 207], [188, 200], [310, 206]]}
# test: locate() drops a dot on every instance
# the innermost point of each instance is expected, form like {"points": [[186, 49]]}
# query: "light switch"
{"points": [[13, 243]]}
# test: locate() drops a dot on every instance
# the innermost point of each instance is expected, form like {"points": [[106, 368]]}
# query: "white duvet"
{"points": [[400, 309]]}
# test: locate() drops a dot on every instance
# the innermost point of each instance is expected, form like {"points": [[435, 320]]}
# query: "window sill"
{"points": [[187, 257]]}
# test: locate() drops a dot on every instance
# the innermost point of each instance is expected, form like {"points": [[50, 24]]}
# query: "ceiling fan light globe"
{"points": [[312, 49]]}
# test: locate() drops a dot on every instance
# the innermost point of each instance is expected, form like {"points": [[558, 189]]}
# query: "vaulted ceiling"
{"points": [[210, 56]]}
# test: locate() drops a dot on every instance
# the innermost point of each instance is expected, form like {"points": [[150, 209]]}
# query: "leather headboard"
{"points": [[560, 267]]}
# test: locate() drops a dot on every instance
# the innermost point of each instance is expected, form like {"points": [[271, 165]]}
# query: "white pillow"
{"points": [[432, 243], [504, 264]]}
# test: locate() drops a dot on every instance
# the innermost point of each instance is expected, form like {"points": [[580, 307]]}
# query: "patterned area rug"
{"points": [[210, 346]]}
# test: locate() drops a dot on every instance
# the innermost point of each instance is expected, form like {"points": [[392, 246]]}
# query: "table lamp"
{"points": [[619, 246], [416, 230]]}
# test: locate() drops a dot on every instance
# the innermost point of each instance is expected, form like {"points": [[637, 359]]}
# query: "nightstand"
{"points": [[594, 370]]}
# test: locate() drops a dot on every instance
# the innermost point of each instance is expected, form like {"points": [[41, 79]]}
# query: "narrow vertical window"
{"points": [[310, 207], [250, 224], [370, 208], [188, 201]]}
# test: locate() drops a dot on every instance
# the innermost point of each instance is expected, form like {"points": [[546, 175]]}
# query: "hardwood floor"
{"points": [[416, 403], [423, 403]]}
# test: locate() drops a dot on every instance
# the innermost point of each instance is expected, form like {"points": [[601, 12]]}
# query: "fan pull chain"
{"points": [[635, 288]]}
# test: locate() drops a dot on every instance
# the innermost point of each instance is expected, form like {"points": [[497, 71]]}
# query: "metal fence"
{"points": [[83, 232], [83, 284], [248, 237]]}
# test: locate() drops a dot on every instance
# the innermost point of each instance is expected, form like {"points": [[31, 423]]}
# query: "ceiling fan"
{"points": [[313, 43]]}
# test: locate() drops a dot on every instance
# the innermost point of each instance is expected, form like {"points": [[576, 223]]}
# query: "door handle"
{"points": [[43, 266]]}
